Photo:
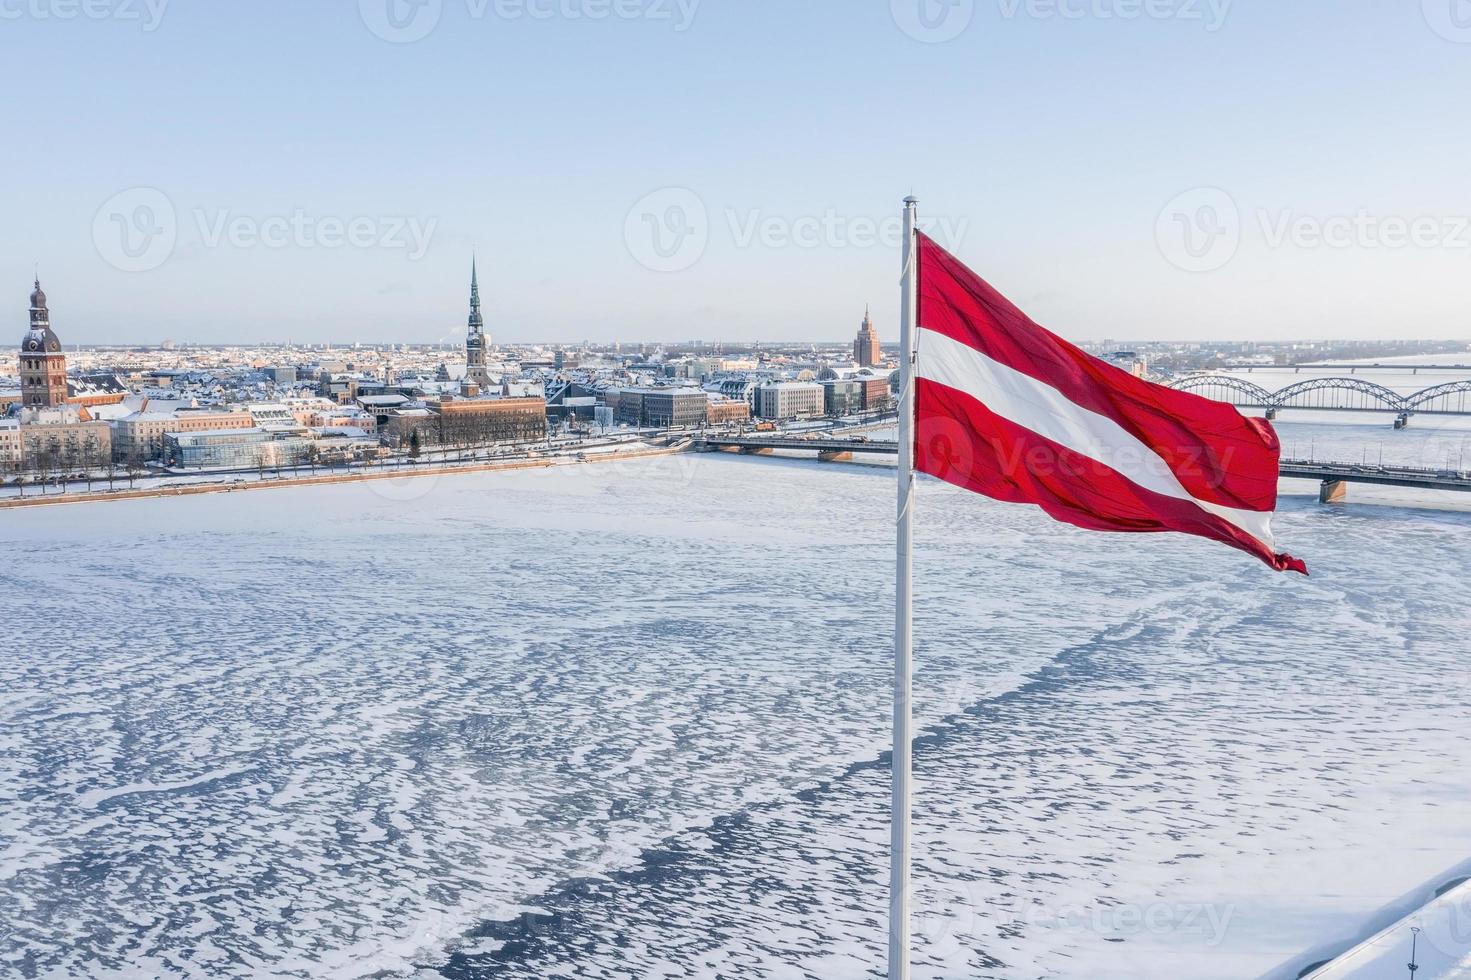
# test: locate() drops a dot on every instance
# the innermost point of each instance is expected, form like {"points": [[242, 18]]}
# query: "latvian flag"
{"points": [[1006, 409]]}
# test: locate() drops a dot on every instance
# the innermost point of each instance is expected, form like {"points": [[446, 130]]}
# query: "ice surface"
{"points": [[627, 720]]}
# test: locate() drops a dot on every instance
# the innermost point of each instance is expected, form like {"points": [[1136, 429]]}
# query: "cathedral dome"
{"points": [[40, 342]]}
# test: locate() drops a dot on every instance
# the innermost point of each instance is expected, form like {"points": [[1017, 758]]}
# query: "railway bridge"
{"points": [[1332, 395]]}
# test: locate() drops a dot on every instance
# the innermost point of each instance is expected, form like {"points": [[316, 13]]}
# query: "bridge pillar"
{"points": [[1333, 492], [834, 456], [1271, 415], [1402, 421]]}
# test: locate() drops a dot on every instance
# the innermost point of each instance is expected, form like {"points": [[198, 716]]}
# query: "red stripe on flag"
{"points": [[964, 443], [1217, 454]]}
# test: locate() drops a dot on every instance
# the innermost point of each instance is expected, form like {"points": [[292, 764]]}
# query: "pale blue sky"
{"points": [[1052, 139]]}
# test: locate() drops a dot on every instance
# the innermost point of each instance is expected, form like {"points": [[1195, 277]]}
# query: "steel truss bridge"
{"points": [[1333, 476], [1332, 395]]}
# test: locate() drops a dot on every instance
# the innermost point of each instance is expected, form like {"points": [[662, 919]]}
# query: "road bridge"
{"points": [[1333, 477]]}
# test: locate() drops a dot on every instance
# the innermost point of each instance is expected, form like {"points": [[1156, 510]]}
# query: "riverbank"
{"points": [[364, 476]]}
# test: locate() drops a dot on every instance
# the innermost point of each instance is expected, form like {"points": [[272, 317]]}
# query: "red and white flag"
{"points": [[1007, 409]]}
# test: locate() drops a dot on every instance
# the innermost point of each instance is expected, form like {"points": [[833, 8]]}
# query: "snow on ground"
{"points": [[628, 720]]}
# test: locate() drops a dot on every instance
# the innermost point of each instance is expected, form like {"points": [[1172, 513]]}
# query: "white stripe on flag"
{"points": [[1041, 408]]}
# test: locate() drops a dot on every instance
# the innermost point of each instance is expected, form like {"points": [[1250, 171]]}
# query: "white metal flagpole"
{"points": [[903, 613]]}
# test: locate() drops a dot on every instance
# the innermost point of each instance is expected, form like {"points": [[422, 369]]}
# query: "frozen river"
{"points": [[626, 720]]}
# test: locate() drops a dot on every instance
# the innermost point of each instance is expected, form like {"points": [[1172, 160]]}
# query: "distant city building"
{"points": [[140, 436], [10, 443], [273, 417], [842, 397], [476, 342], [674, 408], [238, 448], [1132, 362], [42, 364], [867, 351], [876, 393], [64, 437], [95, 390], [789, 400], [724, 411], [467, 422]]}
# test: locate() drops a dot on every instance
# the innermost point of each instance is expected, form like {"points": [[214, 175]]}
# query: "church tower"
{"points": [[42, 364], [476, 342]]}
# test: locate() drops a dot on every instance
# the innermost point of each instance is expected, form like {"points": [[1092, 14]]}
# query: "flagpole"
{"points": [[903, 613]]}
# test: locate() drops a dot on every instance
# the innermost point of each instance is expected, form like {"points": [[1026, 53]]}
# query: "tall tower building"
{"points": [[866, 349], [42, 364], [476, 342]]}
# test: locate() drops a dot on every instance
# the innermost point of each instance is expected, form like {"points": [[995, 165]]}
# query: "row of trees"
{"points": [[60, 463], [461, 431]]}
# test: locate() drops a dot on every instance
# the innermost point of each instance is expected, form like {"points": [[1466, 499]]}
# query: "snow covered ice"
{"points": [[628, 720]]}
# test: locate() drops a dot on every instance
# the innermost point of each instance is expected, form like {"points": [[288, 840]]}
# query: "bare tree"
{"points": [[41, 463], [89, 456], [134, 465]]}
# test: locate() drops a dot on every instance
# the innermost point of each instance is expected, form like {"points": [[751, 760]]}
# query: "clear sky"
{"points": [[673, 169]]}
